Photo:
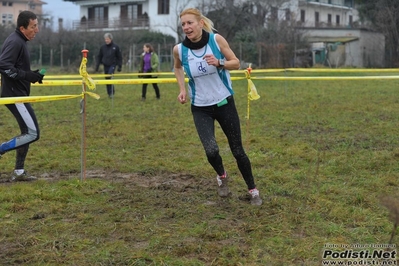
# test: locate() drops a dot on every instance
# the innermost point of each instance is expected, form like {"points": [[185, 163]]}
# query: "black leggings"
{"points": [[227, 117]]}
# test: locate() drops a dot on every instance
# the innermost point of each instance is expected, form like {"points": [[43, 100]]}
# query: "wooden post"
{"points": [[83, 112]]}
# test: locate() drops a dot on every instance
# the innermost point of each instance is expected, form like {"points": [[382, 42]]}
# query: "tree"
{"points": [[384, 17], [254, 26]]}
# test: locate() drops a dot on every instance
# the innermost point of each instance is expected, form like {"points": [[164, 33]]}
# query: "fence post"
{"points": [[130, 59], [40, 55], [83, 112], [62, 56], [134, 55], [159, 56], [51, 57]]}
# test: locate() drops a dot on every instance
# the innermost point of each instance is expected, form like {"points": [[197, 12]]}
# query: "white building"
{"points": [[327, 13], [107, 15]]}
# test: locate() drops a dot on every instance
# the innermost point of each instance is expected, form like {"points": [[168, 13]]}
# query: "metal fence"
{"points": [[258, 54]]}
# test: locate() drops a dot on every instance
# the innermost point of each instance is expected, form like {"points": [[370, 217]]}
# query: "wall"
{"points": [[371, 49], [367, 51], [167, 24]]}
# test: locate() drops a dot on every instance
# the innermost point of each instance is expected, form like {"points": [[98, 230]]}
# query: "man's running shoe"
{"points": [[22, 177]]}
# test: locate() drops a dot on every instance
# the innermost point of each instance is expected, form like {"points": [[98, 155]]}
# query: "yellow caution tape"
{"points": [[92, 94], [329, 78], [31, 99], [252, 92], [83, 72]]}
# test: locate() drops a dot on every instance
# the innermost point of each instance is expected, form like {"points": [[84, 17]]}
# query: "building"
{"points": [[327, 24], [347, 47], [162, 15], [10, 10], [326, 13], [337, 37], [108, 15]]}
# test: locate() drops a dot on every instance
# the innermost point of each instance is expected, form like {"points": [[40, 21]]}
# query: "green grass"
{"points": [[324, 154]]}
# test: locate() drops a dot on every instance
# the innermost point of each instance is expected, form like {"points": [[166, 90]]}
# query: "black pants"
{"points": [[227, 117], [110, 87], [26, 118], [154, 85]]}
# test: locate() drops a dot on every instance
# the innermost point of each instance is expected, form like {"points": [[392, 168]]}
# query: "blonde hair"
{"points": [[208, 24]]}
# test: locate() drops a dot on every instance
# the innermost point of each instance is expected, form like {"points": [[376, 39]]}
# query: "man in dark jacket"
{"points": [[111, 57], [16, 77]]}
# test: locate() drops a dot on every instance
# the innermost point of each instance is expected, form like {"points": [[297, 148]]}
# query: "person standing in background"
{"points": [[16, 77], [149, 62], [206, 58], [111, 57]]}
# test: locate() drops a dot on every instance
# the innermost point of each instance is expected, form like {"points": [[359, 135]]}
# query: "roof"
{"points": [[329, 39]]}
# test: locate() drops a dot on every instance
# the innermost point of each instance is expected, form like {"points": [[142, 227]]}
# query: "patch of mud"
{"points": [[163, 181], [180, 182]]}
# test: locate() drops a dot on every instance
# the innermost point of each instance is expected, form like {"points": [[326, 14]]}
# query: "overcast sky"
{"points": [[68, 11]]}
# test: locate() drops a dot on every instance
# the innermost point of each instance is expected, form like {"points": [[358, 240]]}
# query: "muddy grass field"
{"points": [[324, 157]]}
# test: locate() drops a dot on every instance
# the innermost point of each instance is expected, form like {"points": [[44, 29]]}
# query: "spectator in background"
{"points": [[149, 62], [111, 57], [16, 77]]}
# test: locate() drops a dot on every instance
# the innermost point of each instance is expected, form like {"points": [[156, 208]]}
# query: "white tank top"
{"points": [[208, 85]]}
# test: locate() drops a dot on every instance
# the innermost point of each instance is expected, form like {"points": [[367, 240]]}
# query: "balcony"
{"points": [[344, 4], [94, 25]]}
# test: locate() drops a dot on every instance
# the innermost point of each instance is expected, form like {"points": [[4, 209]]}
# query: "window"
{"points": [[6, 19], [350, 20], [329, 19], [330, 2], [317, 18], [337, 20], [287, 14], [98, 15], [274, 14], [302, 15], [163, 7], [131, 12], [348, 3]]}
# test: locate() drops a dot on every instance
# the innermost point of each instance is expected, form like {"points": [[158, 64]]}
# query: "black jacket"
{"points": [[109, 55], [14, 63]]}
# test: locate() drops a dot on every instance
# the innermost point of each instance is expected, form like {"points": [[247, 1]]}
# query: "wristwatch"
{"points": [[221, 62]]}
